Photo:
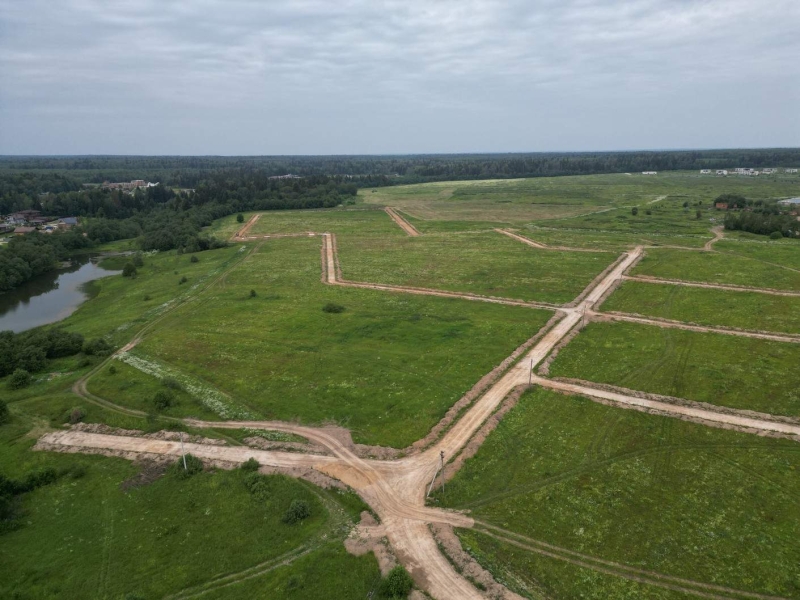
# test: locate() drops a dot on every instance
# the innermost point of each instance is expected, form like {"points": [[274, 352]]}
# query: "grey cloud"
{"points": [[242, 76]]}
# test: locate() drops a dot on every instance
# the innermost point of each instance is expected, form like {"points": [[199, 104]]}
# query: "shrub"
{"points": [[5, 415], [298, 511], [775, 235], [138, 261], [635, 211], [76, 415], [240, 218], [648, 212], [250, 465], [163, 399], [252, 293], [183, 280], [194, 259], [330, 307], [97, 347], [171, 383], [112, 370], [146, 297], [698, 215], [193, 466], [39, 478], [19, 379], [396, 584], [129, 270]]}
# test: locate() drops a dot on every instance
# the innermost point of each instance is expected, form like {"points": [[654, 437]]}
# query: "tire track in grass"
{"points": [[608, 567]]}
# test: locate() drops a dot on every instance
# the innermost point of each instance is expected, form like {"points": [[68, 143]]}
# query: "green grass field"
{"points": [[352, 221], [490, 264], [719, 369], [715, 267], [652, 492], [87, 536], [388, 367], [744, 310]]}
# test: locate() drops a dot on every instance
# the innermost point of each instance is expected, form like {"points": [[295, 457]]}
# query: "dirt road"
{"points": [[719, 233], [396, 489], [712, 286], [541, 246], [404, 225], [242, 233]]}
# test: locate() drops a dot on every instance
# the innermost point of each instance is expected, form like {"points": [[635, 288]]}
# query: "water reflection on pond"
{"points": [[49, 297]]}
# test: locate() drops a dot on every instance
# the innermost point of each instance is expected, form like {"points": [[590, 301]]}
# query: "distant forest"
{"points": [[194, 191], [190, 171]]}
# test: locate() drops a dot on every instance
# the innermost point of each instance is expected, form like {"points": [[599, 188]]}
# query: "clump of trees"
{"points": [[396, 584], [30, 350], [759, 217]]}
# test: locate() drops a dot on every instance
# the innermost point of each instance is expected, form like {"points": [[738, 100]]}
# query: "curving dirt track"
{"points": [[396, 489], [404, 225], [719, 233]]}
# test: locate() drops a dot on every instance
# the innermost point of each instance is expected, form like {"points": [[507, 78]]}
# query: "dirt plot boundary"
{"points": [[404, 225], [714, 286]]}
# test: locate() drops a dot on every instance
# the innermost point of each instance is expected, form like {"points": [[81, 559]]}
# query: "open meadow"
{"points": [[404, 327], [647, 492]]}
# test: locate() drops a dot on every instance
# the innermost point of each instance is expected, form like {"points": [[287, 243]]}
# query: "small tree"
{"points": [[193, 466], [698, 215], [194, 259], [163, 399], [252, 293], [396, 584], [129, 270], [240, 218], [775, 235], [250, 465], [635, 211], [298, 511], [19, 379], [183, 280], [138, 261], [76, 415]]}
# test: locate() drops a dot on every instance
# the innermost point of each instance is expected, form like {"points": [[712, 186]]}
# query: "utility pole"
{"points": [[530, 374], [441, 458], [183, 453]]}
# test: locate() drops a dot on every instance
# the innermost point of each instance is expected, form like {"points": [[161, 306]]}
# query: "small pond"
{"points": [[49, 297]]}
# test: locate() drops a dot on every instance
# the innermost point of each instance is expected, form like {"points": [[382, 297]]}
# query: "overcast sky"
{"points": [[364, 76]]}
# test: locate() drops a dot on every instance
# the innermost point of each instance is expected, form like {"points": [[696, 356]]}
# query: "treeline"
{"points": [[190, 171], [763, 223]]}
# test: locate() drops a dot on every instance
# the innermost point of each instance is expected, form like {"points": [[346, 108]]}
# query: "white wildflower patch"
{"points": [[211, 398]]}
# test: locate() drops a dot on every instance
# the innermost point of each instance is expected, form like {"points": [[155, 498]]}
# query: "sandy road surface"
{"points": [[712, 286], [396, 489], [676, 410], [242, 233], [404, 225]]}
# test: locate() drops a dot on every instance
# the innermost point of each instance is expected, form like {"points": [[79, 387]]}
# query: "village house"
{"points": [[67, 222], [722, 172], [24, 230], [649, 172], [721, 205], [706, 171], [790, 170]]}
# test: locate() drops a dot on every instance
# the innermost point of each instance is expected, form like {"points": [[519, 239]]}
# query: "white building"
{"points": [[705, 171], [722, 172], [790, 170], [649, 172]]}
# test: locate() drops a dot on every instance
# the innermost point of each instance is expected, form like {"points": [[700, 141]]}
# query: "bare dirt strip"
{"points": [[396, 489], [719, 233], [670, 324], [242, 233], [540, 246], [713, 286], [404, 225]]}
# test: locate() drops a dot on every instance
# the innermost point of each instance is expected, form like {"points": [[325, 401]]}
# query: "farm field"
{"points": [[611, 241], [659, 494], [388, 367], [667, 263], [720, 369], [706, 306], [489, 264]]}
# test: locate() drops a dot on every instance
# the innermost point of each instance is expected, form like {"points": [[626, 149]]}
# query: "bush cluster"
{"points": [[97, 347], [298, 510], [396, 584], [193, 466], [330, 307], [30, 350], [163, 399]]}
